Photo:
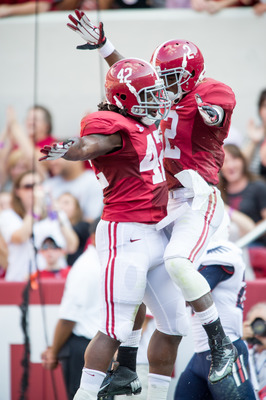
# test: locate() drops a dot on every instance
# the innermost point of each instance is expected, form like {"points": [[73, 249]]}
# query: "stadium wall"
{"points": [[40, 63]]}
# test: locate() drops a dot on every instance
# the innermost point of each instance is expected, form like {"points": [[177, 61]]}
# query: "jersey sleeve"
{"points": [[102, 123], [217, 93]]}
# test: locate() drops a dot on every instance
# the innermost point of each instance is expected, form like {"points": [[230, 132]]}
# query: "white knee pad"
{"points": [[120, 327], [190, 281], [121, 332]]}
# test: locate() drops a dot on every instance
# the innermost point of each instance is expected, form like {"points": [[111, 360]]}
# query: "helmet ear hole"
{"points": [[193, 73], [123, 96]]}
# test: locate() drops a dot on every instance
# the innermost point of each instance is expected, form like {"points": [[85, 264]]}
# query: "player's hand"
{"points": [[49, 360], [57, 150], [93, 35], [207, 111]]}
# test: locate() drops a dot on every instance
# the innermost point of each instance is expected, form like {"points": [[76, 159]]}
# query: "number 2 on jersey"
{"points": [[171, 152]]}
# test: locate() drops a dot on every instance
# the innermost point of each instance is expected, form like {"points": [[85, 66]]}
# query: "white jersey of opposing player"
{"points": [[228, 295]]}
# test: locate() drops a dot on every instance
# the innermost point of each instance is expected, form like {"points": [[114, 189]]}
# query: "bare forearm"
{"points": [[71, 238], [90, 147], [113, 58], [249, 150], [244, 222], [3, 253], [62, 332], [24, 232]]}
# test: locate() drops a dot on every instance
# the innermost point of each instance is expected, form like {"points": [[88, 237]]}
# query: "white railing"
{"points": [[251, 236]]}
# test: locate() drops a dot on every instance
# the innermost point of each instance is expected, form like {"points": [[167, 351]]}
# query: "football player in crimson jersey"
{"points": [[193, 134], [125, 150]]}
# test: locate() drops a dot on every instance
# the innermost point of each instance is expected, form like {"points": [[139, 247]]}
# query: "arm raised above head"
{"points": [[94, 37]]}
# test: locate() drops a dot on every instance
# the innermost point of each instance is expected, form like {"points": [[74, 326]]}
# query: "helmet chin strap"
{"points": [[175, 97], [147, 121]]}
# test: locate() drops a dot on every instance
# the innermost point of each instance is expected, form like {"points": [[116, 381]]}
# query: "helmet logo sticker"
{"points": [[189, 55], [124, 78]]}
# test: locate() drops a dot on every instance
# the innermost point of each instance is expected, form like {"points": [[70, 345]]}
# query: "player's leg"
{"points": [[190, 236], [123, 378], [123, 285], [166, 303], [236, 386], [192, 383]]}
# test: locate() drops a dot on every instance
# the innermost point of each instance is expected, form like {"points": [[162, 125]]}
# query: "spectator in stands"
{"points": [[16, 163], [16, 225], [214, 6], [52, 251], [15, 138], [25, 225], [240, 225], [256, 135], [259, 8], [254, 332], [9, 8], [70, 205], [88, 5], [39, 126], [241, 190], [5, 200], [3, 257], [79, 318], [177, 4], [57, 222], [72, 177], [263, 159]]}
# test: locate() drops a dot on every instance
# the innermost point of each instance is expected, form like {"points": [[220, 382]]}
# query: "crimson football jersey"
{"points": [[191, 144], [132, 178]]}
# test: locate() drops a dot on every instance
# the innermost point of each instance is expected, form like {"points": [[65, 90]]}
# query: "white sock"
{"points": [[133, 340], [83, 394], [158, 386], [91, 380], [208, 316]]}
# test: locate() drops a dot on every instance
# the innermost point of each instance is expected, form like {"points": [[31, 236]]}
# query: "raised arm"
{"points": [[94, 37], [85, 148]]}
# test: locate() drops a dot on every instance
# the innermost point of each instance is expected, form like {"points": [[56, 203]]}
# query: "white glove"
{"points": [[212, 115], [57, 150], [93, 35]]}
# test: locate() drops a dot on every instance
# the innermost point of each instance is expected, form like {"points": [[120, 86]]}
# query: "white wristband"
{"points": [[107, 49], [63, 219]]}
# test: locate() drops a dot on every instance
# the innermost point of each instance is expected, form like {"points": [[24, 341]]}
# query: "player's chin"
{"points": [[154, 113]]}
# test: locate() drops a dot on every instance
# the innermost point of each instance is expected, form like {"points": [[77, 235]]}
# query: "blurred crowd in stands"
{"points": [[20, 7], [45, 208]]}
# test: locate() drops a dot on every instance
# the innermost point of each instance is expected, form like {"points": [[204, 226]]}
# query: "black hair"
{"points": [[104, 106]]}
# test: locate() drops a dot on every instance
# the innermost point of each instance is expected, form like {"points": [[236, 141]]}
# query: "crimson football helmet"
{"points": [[181, 64], [134, 85]]}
